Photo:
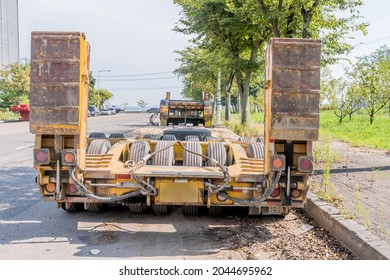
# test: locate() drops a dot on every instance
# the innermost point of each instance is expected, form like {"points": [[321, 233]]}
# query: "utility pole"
{"points": [[99, 86], [219, 105]]}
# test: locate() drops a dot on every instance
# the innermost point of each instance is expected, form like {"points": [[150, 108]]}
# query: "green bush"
{"points": [[6, 115]]}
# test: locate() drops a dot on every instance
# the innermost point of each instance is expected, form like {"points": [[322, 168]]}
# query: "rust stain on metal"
{"points": [[293, 88]]}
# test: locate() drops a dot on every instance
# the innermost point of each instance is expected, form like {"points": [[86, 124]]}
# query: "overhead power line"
{"points": [[370, 42], [136, 75], [135, 89], [142, 79]]}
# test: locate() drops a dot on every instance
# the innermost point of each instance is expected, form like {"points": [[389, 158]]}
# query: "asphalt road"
{"points": [[31, 228]]}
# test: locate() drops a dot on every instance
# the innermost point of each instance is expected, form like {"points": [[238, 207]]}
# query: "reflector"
{"points": [[42, 156], [69, 157], [276, 192]]}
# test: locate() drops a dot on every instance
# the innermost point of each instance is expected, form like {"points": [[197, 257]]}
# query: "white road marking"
{"points": [[23, 147]]}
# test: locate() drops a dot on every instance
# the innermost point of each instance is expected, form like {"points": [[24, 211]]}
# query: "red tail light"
{"points": [[275, 193], [296, 193], [72, 188], [42, 156], [305, 164], [69, 157], [278, 163]]}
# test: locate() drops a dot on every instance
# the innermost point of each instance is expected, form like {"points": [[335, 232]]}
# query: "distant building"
{"points": [[9, 32]]}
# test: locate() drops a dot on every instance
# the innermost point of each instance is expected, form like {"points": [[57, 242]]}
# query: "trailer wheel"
{"points": [[255, 150], [215, 210], [169, 137], [98, 135], [116, 135], [161, 209], [95, 207], [210, 138], [138, 150], [191, 209], [151, 136], [73, 207], [99, 147], [193, 138], [190, 159], [244, 139], [166, 155], [260, 139], [137, 207], [216, 151]]}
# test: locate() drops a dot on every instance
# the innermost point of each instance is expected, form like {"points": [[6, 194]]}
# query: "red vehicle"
{"points": [[24, 111]]}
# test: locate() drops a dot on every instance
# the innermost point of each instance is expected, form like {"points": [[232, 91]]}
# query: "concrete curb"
{"points": [[350, 234]]}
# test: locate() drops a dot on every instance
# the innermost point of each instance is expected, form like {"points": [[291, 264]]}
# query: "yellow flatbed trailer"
{"points": [[185, 167]]}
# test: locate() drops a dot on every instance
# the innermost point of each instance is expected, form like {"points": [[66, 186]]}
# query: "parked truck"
{"points": [[193, 112], [184, 167]]}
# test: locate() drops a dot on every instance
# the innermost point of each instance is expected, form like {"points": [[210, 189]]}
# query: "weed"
{"points": [[357, 201], [8, 115], [253, 129], [381, 225], [346, 213]]}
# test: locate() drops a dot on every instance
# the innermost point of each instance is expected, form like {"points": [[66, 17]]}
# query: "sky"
{"points": [[135, 40]]}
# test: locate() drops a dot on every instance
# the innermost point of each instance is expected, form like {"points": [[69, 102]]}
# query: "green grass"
{"points": [[8, 115], [254, 129], [358, 132]]}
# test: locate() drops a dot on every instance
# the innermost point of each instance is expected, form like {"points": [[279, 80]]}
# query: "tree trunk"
{"points": [[245, 106], [227, 101], [214, 106], [239, 87], [371, 118]]}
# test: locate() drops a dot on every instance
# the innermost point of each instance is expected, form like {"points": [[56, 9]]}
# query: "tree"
{"points": [[371, 76], [340, 95], [141, 103], [234, 26], [242, 28], [199, 67], [332, 21], [14, 85], [92, 82], [96, 98]]}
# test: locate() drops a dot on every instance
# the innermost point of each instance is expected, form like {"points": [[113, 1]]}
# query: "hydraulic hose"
{"points": [[153, 117], [254, 201], [87, 193]]}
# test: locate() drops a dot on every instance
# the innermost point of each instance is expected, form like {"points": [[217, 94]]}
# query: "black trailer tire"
{"points": [[116, 135], [95, 207], [162, 209], [139, 150], [193, 138], [151, 136], [182, 133], [191, 159], [260, 139], [216, 151], [244, 139], [169, 137], [255, 150], [137, 207], [99, 147], [74, 207], [215, 210], [166, 155], [98, 135], [191, 209]]}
